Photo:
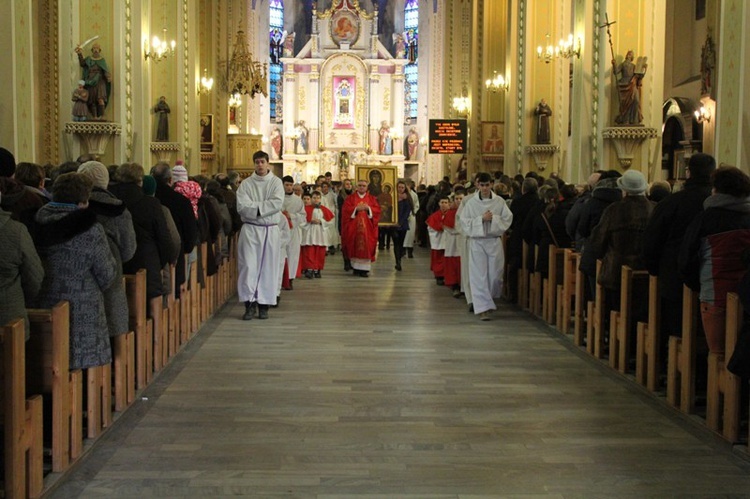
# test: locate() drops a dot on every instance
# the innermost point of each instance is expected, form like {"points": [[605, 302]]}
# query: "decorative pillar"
{"points": [[733, 99]]}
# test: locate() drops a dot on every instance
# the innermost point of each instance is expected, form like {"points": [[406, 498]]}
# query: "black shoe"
{"points": [[440, 281], [263, 312], [410, 252], [398, 264], [316, 274], [347, 265], [309, 274], [364, 273], [471, 308], [278, 300], [249, 311]]}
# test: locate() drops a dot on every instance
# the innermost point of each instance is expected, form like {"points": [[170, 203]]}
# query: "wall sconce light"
{"points": [[206, 83], [462, 104], [497, 83], [235, 100], [565, 49], [703, 115], [159, 49]]}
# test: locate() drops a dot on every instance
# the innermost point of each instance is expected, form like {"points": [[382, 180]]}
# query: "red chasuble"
{"points": [[360, 234]]}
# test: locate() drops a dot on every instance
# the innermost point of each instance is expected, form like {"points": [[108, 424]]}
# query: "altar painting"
{"points": [[344, 90]]}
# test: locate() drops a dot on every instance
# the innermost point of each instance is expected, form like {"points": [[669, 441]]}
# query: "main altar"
{"points": [[343, 99]]}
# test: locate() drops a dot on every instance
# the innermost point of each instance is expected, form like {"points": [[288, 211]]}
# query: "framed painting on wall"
{"points": [[381, 183], [492, 138], [207, 131]]}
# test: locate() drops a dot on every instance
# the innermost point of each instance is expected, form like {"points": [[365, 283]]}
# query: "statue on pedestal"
{"points": [[97, 78], [543, 112], [629, 88], [162, 126]]}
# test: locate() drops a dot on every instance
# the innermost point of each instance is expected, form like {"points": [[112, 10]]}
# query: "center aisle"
{"points": [[388, 387]]}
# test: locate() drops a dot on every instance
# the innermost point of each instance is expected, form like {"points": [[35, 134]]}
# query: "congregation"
{"points": [[72, 231], [56, 221]]}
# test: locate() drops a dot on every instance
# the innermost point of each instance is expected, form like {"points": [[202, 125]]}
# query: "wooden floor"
{"points": [[388, 387]]}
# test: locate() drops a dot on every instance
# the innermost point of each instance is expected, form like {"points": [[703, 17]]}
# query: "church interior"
{"points": [[382, 387]]}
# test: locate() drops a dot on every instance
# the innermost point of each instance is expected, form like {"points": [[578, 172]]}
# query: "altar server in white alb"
{"points": [[259, 201], [295, 211], [484, 219]]}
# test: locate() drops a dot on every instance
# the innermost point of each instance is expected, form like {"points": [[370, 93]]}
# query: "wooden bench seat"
{"points": [[647, 361], [682, 354], [633, 285], [595, 323], [48, 373], [552, 285], [135, 286], [723, 397], [21, 418]]}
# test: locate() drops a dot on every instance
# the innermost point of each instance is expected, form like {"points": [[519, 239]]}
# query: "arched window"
{"points": [[276, 17], [411, 73]]}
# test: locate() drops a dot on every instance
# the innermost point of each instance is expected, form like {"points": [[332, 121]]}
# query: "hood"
{"points": [[727, 202], [105, 203], [607, 194], [12, 190], [58, 223]]}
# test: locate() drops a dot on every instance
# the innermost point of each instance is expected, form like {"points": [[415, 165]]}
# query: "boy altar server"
{"points": [[484, 218], [259, 201], [314, 235]]}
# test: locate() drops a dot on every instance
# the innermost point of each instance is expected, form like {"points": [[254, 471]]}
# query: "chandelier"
{"points": [[462, 103], [245, 75], [565, 49], [497, 83]]}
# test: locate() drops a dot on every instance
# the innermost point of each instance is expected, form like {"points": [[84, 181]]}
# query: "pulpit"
{"points": [[242, 146]]}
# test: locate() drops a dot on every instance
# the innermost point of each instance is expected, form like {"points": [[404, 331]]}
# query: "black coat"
{"points": [[665, 232], [591, 213], [151, 235], [520, 209], [184, 219], [544, 239]]}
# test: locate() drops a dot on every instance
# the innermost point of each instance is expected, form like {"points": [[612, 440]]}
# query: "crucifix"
{"points": [[607, 24]]}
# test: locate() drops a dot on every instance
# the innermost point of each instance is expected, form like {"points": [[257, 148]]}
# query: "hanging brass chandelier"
{"points": [[244, 74]]}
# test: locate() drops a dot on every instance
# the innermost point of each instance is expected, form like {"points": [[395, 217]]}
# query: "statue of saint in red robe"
{"points": [[359, 229]]}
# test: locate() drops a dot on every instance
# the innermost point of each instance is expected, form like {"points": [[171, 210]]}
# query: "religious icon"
{"points": [[344, 27], [343, 115], [492, 138], [381, 181]]}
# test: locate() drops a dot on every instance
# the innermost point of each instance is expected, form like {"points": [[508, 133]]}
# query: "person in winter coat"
{"points": [[520, 208], [78, 267], [710, 259], [20, 202], [605, 193], [21, 271], [571, 221], [118, 226], [664, 235], [151, 232], [618, 237], [549, 226]]}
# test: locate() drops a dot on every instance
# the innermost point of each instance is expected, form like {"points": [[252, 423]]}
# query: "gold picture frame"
{"points": [[381, 183], [492, 138]]}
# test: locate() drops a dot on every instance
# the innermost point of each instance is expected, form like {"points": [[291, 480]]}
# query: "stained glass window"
{"points": [[276, 17], [411, 25]]}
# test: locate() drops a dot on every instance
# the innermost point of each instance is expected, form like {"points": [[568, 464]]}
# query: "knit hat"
{"points": [[7, 163], [192, 191], [149, 185], [607, 183], [179, 173], [633, 182], [96, 172]]}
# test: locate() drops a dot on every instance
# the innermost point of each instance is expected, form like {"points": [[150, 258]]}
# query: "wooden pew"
{"points": [[723, 397], [647, 360], [595, 324], [535, 288], [566, 291], [579, 321], [195, 300], [203, 289], [48, 373], [553, 286], [158, 322], [136, 290], [98, 399], [682, 353], [523, 278], [21, 418], [123, 362], [173, 318], [632, 287]]}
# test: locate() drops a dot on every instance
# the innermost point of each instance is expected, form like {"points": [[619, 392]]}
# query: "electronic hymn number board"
{"points": [[448, 136]]}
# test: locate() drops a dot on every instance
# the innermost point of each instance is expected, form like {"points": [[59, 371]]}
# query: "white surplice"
{"points": [[296, 209]]}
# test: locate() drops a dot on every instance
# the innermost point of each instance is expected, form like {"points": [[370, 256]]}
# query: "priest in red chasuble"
{"points": [[359, 229]]}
